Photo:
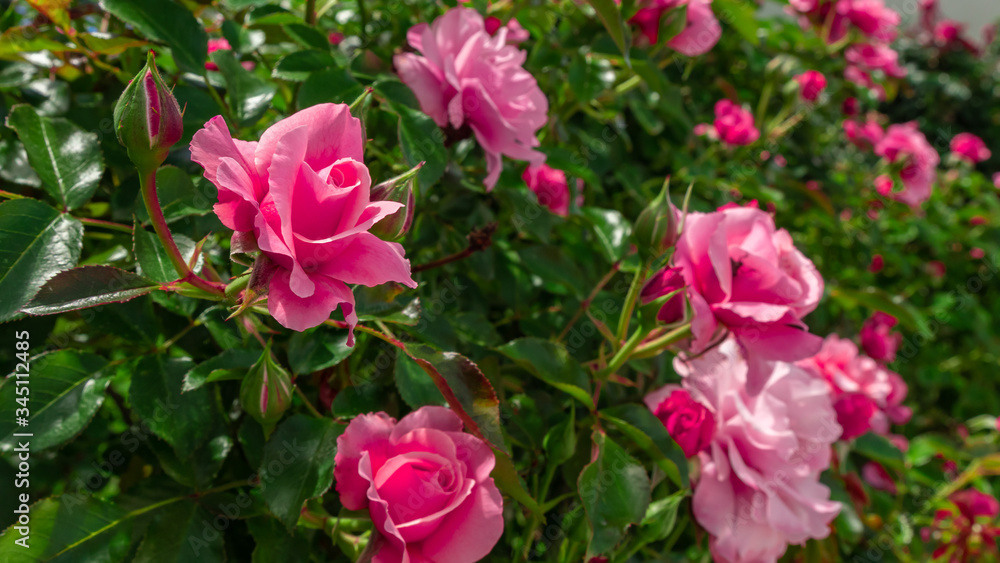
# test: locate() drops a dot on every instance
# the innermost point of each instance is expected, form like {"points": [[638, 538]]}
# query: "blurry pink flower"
{"points": [[745, 276], [551, 188], [665, 282], [854, 414], [846, 372], [759, 488], [996, 180], [302, 192], [688, 422], [515, 33], [977, 220], [872, 57], [863, 136], [877, 264], [466, 76], [969, 148], [883, 185], [905, 145], [425, 483], [947, 31], [871, 17], [811, 83], [701, 31], [856, 75], [878, 339], [878, 478], [734, 123], [813, 185], [220, 44], [936, 269], [972, 503], [977, 253], [850, 107], [780, 161], [335, 38]]}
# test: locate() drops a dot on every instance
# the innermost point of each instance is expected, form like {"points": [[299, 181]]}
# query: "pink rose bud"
{"points": [[936, 269], [551, 188], [947, 31], [854, 414], [734, 124], [811, 83], [335, 38], [977, 220], [970, 148], [656, 229], [977, 253], [425, 483], [399, 190], [688, 422], [147, 119], [973, 503], [877, 264], [850, 107], [877, 338], [266, 391], [661, 284], [878, 478]]}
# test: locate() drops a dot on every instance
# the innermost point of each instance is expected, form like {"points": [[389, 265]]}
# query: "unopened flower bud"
{"points": [[266, 392], [147, 119], [398, 189], [656, 230], [661, 285]]}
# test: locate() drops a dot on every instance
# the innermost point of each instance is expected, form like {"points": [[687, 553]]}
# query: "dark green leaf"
{"points": [[298, 464], [154, 263], [66, 389], [421, 140], [227, 365], [310, 352], [741, 14], [178, 195], [358, 399], [615, 491], [87, 286], [415, 386], [36, 243], [248, 96], [643, 428], [167, 22], [183, 532], [661, 517], [184, 420], [880, 449], [611, 16], [301, 65], [612, 230], [334, 85], [560, 442], [14, 166], [70, 529], [551, 362], [307, 36], [67, 159], [274, 543]]}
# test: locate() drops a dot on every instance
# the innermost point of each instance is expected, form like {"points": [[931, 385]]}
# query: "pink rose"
{"points": [[972, 503], [302, 193], [849, 373], [877, 338], [551, 188], [850, 106], [665, 282], [906, 145], [425, 483], [947, 31], [515, 33], [335, 38], [811, 83], [877, 263], [746, 277], [759, 488], [854, 414], [701, 31], [871, 17], [734, 124], [883, 185], [875, 57], [688, 422], [969, 148], [220, 44], [467, 76], [996, 180], [878, 478]]}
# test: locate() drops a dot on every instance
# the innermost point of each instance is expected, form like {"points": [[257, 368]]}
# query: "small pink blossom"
{"points": [[465, 76], [551, 188], [977, 253], [734, 124], [877, 264], [906, 146], [811, 83], [871, 17], [878, 478], [220, 44], [850, 107], [665, 282], [701, 30], [969, 148], [865, 135], [878, 339], [688, 422]]}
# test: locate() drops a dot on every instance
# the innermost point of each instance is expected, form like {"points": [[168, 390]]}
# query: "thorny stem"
{"points": [[479, 239], [585, 304]]}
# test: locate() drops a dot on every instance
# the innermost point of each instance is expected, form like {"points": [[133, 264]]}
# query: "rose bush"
{"points": [[535, 281]]}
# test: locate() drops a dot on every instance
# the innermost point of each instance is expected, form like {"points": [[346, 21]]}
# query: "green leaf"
{"points": [[88, 286], [274, 543], [507, 480], [615, 491], [167, 22], [249, 96], [880, 449], [611, 17], [14, 166], [661, 517], [65, 390], [36, 243], [152, 258], [554, 266], [741, 14], [298, 464], [643, 428], [66, 158], [183, 532], [70, 529], [301, 65], [421, 140], [309, 352], [551, 362], [612, 230], [307, 36], [415, 387], [560, 442], [334, 85], [183, 420], [466, 389], [230, 364], [358, 399]]}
